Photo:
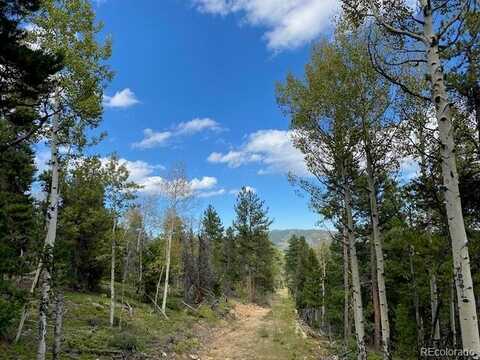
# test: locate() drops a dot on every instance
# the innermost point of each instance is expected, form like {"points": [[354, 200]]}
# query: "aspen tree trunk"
{"points": [[52, 216], [377, 327], [140, 261], [324, 276], [112, 276], [416, 301], [157, 292], [347, 330], [58, 330], [453, 325], [140, 270], [124, 278], [356, 289], [433, 278], [382, 291], [461, 257], [167, 268], [434, 309]]}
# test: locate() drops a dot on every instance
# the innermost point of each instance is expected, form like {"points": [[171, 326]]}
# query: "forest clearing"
{"points": [[240, 179], [233, 331]]}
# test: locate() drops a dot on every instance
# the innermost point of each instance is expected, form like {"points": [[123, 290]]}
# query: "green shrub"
{"points": [[11, 301], [126, 341], [206, 312]]}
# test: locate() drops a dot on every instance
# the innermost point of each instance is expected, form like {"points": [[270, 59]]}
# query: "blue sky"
{"points": [[195, 83]]}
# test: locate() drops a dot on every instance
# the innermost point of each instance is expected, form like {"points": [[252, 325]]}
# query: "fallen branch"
{"points": [[190, 307], [157, 307]]}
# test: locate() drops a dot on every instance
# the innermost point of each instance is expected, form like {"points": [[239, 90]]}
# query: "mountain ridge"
{"points": [[314, 237]]}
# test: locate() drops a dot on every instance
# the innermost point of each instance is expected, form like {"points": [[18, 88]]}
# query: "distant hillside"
{"points": [[314, 237]]}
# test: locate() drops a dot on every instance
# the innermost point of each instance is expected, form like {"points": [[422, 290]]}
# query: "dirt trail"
{"points": [[262, 334], [235, 341]]}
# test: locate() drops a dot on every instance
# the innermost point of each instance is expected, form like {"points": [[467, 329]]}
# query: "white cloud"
{"points": [[271, 148], [204, 187], [289, 23], [144, 175], [197, 125], [212, 193], [139, 170], [207, 182], [122, 99], [153, 139]]}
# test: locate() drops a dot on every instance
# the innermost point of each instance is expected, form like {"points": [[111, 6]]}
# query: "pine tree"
{"points": [[18, 228], [25, 75], [254, 247], [212, 232], [85, 225]]}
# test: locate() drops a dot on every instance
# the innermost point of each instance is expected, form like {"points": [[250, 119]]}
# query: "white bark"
{"points": [[379, 258], [58, 330], [52, 215], [112, 276], [167, 268], [453, 325], [157, 291], [347, 331], [416, 301], [356, 289], [434, 308], [461, 257], [324, 277], [124, 277], [140, 259]]}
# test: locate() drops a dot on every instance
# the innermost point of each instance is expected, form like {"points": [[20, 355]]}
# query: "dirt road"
{"points": [[262, 334]]}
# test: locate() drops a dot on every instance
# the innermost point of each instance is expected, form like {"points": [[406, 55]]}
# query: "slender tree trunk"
{"points": [[52, 216], [356, 289], [167, 269], [43, 314], [347, 329], [416, 302], [58, 330], [140, 260], [124, 278], [477, 118], [382, 291], [112, 276], [324, 277], [434, 309], [461, 257], [157, 292], [140, 269], [377, 327], [433, 278], [453, 325]]}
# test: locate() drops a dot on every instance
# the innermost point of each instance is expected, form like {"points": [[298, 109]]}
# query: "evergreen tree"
{"points": [[25, 74], [230, 261], [84, 228], [254, 247], [212, 235], [18, 228]]}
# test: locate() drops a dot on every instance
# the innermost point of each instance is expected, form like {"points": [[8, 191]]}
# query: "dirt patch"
{"points": [[235, 341]]}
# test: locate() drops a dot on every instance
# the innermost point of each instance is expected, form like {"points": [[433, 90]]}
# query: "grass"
{"points": [[88, 335], [279, 338]]}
